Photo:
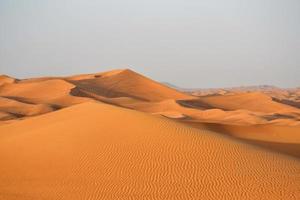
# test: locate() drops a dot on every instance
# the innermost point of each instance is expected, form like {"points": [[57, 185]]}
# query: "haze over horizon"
{"points": [[195, 44]]}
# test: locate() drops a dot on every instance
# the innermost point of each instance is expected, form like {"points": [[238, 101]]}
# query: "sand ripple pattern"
{"points": [[97, 151]]}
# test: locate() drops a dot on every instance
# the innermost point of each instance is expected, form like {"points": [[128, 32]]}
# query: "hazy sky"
{"points": [[190, 43]]}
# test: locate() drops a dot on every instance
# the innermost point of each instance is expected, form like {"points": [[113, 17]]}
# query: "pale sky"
{"points": [[189, 43]]}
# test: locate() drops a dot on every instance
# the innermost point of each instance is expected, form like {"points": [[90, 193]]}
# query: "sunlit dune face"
{"points": [[121, 135], [101, 151]]}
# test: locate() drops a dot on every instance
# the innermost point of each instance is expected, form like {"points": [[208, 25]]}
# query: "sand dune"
{"points": [[54, 92], [80, 153], [39, 90], [277, 133], [118, 87], [128, 89], [4, 79], [120, 135], [253, 101], [126, 83], [280, 138], [24, 109], [125, 88], [6, 116]]}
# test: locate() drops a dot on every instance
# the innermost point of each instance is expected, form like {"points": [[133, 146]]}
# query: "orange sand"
{"points": [[80, 153], [117, 135]]}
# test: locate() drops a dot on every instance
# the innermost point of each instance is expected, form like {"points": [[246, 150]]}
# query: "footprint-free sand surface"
{"points": [[98, 151], [121, 135]]}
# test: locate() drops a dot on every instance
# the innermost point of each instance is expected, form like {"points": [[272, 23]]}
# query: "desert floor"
{"points": [[121, 135]]}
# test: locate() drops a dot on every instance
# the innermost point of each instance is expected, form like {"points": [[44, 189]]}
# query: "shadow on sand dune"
{"points": [[292, 149]]}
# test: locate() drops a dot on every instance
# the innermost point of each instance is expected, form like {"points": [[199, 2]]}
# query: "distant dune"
{"points": [[253, 101], [6, 79], [126, 83], [121, 135]]}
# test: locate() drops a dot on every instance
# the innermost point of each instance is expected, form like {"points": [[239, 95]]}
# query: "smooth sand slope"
{"points": [[284, 139], [52, 93], [6, 79], [253, 101], [99, 151], [125, 83], [240, 114], [129, 89], [21, 109]]}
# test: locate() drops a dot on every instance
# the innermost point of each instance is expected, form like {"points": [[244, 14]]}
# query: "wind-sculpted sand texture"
{"points": [[23, 98], [126, 83], [285, 139], [100, 151], [247, 101], [18, 108], [6, 79]]}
